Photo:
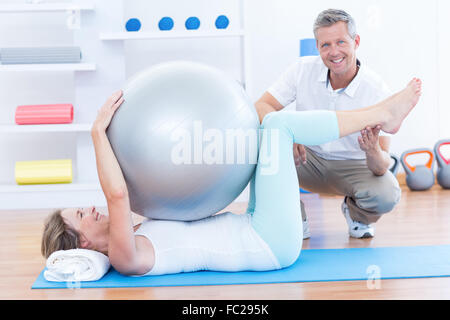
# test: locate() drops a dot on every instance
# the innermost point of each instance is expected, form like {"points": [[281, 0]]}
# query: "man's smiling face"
{"points": [[337, 49]]}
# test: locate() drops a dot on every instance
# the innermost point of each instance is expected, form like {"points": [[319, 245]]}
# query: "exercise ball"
{"points": [[186, 139]]}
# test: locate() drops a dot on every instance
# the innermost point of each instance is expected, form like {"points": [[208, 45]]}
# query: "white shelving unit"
{"points": [[92, 85], [73, 127], [48, 196], [48, 67], [240, 33], [170, 35], [49, 187], [44, 7], [101, 39]]}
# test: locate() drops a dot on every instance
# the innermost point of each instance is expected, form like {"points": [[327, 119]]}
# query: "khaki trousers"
{"points": [[368, 196]]}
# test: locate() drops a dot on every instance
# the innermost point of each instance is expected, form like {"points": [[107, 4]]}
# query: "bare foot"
{"points": [[399, 105]]}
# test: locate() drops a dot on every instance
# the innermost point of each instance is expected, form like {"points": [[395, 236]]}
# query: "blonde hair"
{"points": [[58, 235]]}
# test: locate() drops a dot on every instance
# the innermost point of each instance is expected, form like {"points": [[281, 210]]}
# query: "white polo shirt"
{"points": [[306, 83]]}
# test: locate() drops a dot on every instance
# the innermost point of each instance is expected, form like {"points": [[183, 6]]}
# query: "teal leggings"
{"points": [[274, 188]]}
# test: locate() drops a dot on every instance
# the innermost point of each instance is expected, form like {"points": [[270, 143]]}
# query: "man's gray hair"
{"points": [[331, 16]]}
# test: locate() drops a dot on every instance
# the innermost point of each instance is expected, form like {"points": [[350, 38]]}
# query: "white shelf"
{"points": [[49, 67], [73, 127], [5, 188], [65, 195], [44, 7], [170, 34]]}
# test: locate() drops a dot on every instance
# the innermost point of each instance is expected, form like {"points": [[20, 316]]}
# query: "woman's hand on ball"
{"points": [[107, 111]]}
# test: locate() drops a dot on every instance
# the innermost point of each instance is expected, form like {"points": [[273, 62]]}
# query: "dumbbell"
{"points": [[395, 165], [420, 177], [443, 172]]}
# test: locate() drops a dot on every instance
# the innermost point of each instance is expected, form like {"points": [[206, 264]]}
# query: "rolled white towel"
{"points": [[76, 265]]}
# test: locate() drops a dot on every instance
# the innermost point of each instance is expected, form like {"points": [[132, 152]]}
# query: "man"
{"points": [[355, 166]]}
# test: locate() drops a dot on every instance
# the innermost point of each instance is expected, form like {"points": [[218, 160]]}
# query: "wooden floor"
{"points": [[421, 218]]}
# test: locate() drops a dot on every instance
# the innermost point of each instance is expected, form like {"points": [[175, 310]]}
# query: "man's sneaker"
{"points": [[357, 229], [306, 233]]}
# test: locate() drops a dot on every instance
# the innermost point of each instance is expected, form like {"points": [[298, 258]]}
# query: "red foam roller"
{"points": [[44, 114]]}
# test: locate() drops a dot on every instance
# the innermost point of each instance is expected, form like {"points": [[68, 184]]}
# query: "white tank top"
{"points": [[224, 242]]}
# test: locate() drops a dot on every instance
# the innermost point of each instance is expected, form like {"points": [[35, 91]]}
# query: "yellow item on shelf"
{"points": [[43, 172]]}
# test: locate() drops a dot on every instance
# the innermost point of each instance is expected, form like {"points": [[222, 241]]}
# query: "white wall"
{"points": [[443, 49]]}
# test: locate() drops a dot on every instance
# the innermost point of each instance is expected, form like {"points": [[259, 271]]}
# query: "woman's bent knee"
{"points": [[273, 120]]}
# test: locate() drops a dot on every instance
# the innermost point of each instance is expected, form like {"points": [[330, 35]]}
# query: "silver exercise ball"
{"points": [[186, 140]]}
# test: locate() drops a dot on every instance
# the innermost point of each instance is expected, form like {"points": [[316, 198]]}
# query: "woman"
{"points": [[267, 237]]}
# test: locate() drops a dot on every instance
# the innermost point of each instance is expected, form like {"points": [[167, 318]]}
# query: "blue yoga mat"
{"points": [[313, 265]]}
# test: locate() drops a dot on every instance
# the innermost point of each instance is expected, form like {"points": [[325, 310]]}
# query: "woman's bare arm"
{"points": [[122, 250]]}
